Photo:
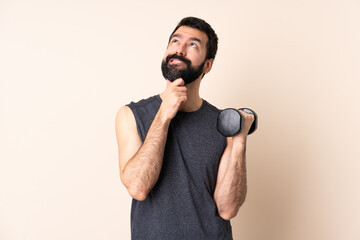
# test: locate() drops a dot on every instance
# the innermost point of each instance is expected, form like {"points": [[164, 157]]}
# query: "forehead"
{"points": [[189, 32]]}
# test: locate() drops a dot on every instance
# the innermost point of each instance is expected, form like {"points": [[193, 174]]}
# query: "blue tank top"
{"points": [[181, 206]]}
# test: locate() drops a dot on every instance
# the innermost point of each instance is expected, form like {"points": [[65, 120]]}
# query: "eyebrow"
{"points": [[192, 38]]}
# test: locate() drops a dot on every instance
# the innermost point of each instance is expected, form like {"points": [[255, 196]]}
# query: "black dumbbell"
{"points": [[230, 121]]}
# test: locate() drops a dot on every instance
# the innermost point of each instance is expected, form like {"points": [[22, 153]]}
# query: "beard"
{"points": [[188, 74]]}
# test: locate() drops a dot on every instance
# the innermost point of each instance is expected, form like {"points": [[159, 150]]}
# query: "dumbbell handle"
{"points": [[230, 121]]}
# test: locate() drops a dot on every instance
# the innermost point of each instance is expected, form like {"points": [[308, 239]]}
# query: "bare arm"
{"points": [[140, 172], [140, 163], [231, 185]]}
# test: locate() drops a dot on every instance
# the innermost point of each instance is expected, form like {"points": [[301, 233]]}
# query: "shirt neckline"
{"points": [[184, 113]]}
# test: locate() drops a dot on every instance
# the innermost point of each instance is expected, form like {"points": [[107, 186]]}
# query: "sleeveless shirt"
{"points": [[181, 206]]}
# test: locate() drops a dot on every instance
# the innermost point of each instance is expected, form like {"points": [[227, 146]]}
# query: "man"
{"points": [[187, 181]]}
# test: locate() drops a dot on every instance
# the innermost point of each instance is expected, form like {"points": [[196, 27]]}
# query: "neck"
{"points": [[194, 100]]}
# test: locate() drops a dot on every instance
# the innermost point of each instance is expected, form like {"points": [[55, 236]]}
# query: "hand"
{"points": [[172, 98], [248, 119]]}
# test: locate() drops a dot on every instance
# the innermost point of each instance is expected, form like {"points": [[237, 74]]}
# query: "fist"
{"points": [[248, 120], [174, 95]]}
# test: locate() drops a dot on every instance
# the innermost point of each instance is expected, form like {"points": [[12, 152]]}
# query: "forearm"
{"points": [[231, 188], [142, 171]]}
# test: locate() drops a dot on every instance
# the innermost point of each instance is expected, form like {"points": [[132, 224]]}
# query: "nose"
{"points": [[180, 50]]}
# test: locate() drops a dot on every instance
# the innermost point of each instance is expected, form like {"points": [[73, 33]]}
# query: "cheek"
{"points": [[167, 53], [197, 61]]}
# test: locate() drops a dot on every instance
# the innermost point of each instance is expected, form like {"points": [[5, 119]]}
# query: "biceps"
{"points": [[128, 139]]}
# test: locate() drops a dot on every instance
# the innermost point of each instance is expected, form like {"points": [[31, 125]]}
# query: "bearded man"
{"points": [[186, 180]]}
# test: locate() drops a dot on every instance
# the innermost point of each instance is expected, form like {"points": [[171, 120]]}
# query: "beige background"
{"points": [[66, 67]]}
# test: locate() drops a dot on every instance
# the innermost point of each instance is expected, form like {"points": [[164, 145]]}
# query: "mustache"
{"points": [[180, 57]]}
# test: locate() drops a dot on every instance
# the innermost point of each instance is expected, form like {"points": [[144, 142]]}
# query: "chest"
{"points": [[195, 147]]}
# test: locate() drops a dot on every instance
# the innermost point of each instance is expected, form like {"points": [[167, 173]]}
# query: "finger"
{"points": [[178, 82], [247, 115], [181, 89], [183, 98], [182, 94], [243, 113]]}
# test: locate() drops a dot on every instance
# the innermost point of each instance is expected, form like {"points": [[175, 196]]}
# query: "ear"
{"points": [[208, 65]]}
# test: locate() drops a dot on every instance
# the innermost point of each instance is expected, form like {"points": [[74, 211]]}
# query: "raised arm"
{"points": [[140, 163], [231, 186]]}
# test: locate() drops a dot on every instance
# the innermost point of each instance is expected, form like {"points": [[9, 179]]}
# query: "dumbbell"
{"points": [[230, 121]]}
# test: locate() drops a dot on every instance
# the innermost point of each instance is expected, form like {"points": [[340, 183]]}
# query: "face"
{"points": [[185, 55]]}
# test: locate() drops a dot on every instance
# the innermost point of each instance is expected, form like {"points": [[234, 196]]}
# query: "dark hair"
{"points": [[212, 44]]}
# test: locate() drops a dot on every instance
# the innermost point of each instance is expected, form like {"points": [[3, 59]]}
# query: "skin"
{"points": [[140, 163]]}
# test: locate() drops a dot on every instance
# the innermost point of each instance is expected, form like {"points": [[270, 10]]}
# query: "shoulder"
{"points": [[124, 116], [210, 107], [127, 111], [138, 115], [143, 103]]}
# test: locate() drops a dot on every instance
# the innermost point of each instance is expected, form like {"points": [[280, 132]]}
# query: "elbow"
{"points": [[230, 211], [227, 215], [137, 194], [133, 189]]}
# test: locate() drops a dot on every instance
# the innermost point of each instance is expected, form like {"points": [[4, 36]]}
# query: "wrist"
{"points": [[237, 147], [164, 118], [239, 142]]}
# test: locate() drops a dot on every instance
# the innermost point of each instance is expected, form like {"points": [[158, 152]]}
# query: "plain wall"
{"points": [[66, 67]]}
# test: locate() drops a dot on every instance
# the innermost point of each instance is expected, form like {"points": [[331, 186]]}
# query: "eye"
{"points": [[193, 45], [174, 40]]}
